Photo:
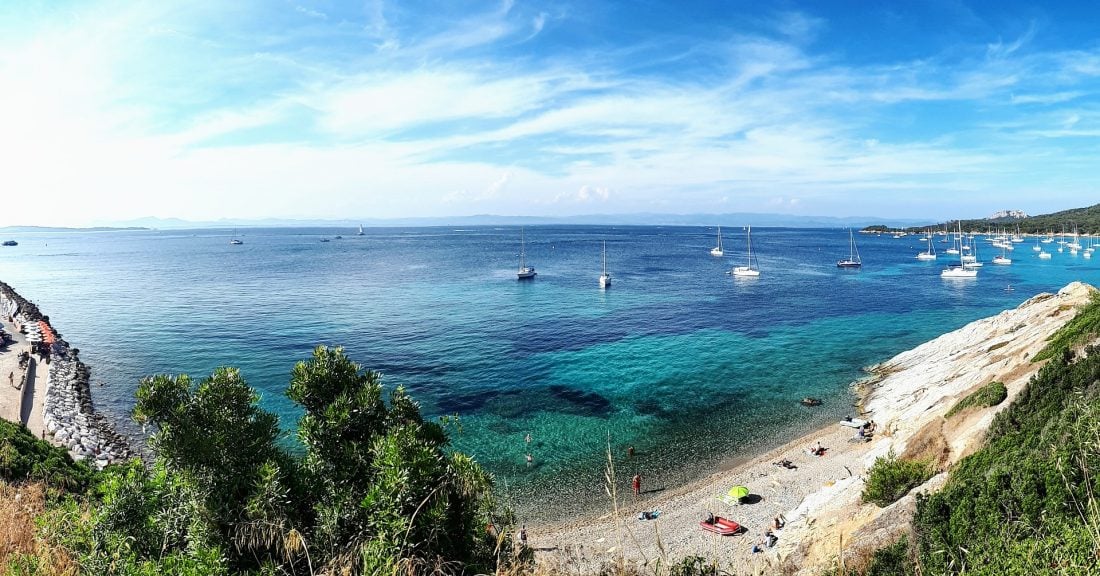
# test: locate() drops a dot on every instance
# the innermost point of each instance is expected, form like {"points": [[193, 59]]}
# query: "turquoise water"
{"points": [[692, 367]]}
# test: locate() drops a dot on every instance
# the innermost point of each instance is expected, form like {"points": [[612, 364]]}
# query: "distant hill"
{"points": [[1086, 219], [639, 219], [26, 229]]}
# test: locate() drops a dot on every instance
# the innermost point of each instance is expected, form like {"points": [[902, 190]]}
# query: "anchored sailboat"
{"points": [[605, 278], [752, 267], [525, 272], [853, 261], [717, 250]]}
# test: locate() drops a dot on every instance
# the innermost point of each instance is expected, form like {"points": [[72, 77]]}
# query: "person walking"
{"points": [[636, 483]]}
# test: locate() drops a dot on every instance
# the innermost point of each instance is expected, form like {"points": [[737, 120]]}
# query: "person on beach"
{"points": [[636, 483], [528, 438], [770, 538], [11, 379], [779, 522], [630, 451], [523, 536], [530, 460]]}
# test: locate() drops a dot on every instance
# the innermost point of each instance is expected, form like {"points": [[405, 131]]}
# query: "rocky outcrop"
{"points": [[907, 398]]}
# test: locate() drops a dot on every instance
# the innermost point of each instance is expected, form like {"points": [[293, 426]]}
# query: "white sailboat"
{"points": [[717, 250], [930, 253], [853, 261], [360, 232], [1003, 259], [234, 240], [605, 278], [525, 272], [959, 271], [752, 268]]}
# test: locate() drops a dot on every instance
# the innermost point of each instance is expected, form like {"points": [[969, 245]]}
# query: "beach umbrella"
{"points": [[738, 492]]}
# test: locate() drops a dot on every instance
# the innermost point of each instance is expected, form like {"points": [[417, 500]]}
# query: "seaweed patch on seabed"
{"points": [[588, 403]]}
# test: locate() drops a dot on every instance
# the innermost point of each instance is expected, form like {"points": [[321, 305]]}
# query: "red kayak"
{"points": [[722, 526]]}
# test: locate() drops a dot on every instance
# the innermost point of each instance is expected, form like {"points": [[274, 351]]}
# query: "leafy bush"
{"points": [[991, 394], [1084, 325], [375, 491], [890, 478], [24, 457]]}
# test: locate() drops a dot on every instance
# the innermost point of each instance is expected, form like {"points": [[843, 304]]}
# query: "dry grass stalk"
{"points": [[20, 505]]}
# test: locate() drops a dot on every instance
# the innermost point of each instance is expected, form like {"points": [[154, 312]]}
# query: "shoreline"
{"points": [[906, 395], [773, 491], [55, 396]]}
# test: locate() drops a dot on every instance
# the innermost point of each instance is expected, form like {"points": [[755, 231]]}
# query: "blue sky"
{"points": [[325, 109]]}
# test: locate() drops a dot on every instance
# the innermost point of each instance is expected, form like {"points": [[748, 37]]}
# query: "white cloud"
{"points": [[372, 106]]}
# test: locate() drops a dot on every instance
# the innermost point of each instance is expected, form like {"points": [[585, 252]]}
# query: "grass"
{"points": [[991, 394], [21, 550]]}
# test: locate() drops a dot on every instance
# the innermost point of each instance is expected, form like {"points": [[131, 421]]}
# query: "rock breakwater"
{"points": [[69, 415]]}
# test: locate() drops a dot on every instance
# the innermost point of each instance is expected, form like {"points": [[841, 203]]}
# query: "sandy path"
{"points": [[775, 490], [12, 406]]}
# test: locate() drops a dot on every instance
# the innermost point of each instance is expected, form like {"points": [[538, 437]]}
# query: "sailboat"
{"points": [[959, 271], [717, 250], [853, 260], [605, 278], [525, 272], [235, 241], [360, 232], [929, 254], [751, 269], [1003, 258]]}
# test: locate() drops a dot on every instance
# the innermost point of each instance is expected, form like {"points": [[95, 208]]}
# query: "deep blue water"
{"points": [[693, 367]]}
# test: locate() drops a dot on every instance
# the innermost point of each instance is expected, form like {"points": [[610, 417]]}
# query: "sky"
{"points": [[202, 110]]}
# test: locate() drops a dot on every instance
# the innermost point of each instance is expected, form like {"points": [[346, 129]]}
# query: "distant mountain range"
{"points": [[1084, 218], [640, 219]]}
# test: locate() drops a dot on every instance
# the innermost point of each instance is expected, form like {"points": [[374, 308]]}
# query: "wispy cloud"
{"points": [[391, 110]]}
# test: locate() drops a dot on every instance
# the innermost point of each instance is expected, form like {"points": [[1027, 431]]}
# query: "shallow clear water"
{"points": [[693, 367]]}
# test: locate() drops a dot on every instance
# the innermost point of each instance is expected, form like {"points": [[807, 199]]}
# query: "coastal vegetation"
{"points": [[1084, 325], [1087, 219], [991, 394], [891, 477], [1027, 499], [24, 458], [373, 490]]}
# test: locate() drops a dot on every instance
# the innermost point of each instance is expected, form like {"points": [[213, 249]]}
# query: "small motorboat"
{"points": [[10, 243], [808, 401], [721, 526]]}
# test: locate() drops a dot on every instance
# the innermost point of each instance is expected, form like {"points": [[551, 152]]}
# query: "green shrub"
{"points": [[1084, 325], [991, 394], [892, 560], [891, 478], [24, 457]]}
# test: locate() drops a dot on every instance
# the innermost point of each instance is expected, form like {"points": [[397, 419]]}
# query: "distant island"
{"points": [[1087, 220]]}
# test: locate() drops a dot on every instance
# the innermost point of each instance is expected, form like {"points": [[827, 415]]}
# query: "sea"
{"points": [[693, 368]]}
